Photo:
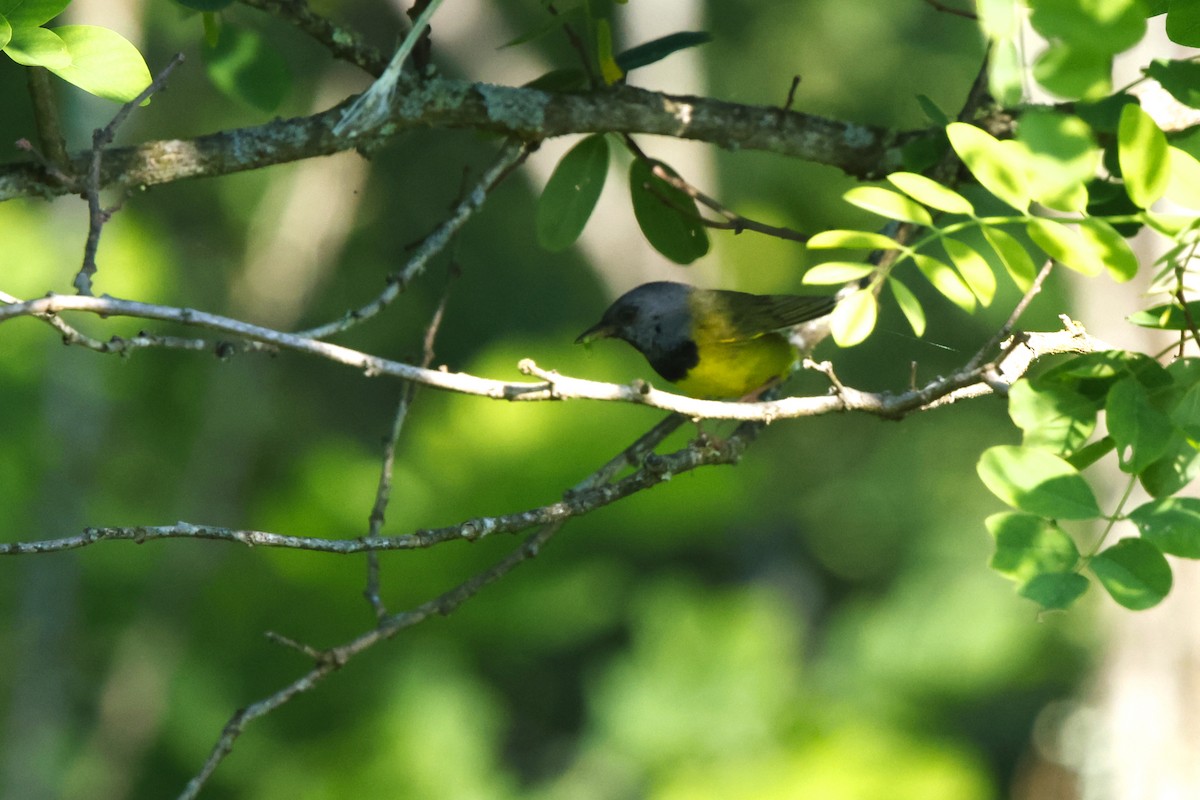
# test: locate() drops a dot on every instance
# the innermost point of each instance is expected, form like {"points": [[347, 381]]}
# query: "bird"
{"points": [[713, 343]]}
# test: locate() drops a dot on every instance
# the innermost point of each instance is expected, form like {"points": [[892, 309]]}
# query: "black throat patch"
{"points": [[675, 364]]}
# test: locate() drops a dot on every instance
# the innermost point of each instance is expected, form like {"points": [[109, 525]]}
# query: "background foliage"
{"points": [[817, 621]]}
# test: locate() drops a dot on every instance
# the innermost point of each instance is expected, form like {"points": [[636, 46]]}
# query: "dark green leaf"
{"points": [[32, 13], [1186, 413], [1027, 545], [247, 68], [1180, 78], [1107, 199], [559, 80], [1134, 572], [1104, 115], [1183, 23], [667, 216], [1052, 417], [571, 193], [1170, 317], [205, 5], [935, 114], [660, 48], [1175, 470], [1055, 591], [1035, 480], [1172, 524], [1082, 459], [1141, 431]]}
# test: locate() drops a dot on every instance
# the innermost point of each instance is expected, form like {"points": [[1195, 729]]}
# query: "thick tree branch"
{"points": [[528, 114]]}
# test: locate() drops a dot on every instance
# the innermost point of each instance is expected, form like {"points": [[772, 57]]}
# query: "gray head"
{"points": [[656, 319]]}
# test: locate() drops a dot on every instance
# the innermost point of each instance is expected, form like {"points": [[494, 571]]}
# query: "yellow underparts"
{"points": [[734, 369]]}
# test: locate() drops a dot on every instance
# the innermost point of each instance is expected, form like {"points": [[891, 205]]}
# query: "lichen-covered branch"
{"points": [[528, 114]]}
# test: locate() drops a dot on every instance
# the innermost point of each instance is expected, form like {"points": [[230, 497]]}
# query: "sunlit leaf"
{"points": [[887, 203], [103, 63], [5, 32], [1013, 255], [1143, 156], [1134, 573], [1064, 245], [837, 272], [851, 240], [571, 193], [1052, 417], [909, 305], [38, 47], [853, 318], [990, 163], [931, 193], [973, 268], [1110, 247], [1183, 186], [1169, 317], [946, 281], [1037, 481]]}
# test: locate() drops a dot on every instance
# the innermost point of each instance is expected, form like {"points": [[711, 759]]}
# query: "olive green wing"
{"points": [[737, 316]]}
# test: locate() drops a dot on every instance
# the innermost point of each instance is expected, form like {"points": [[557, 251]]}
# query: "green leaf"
{"points": [[975, 271], [658, 49], [1186, 413], [887, 203], [103, 63], [1063, 245], [1183, 23], [1035, 480], [992, 164], [1183, 186], [1063, 156], [853, 318], [247, 68], [1143, 156], [559, 80], [1109, 26], [1085, 457], [946, 281], [205, 5], [909, 304], [1027, 546], [1172, 524], [852, 240], [609, 71], [571, 193], [1052, 417], [1180, 78], [931, 109], [1169, 317], [38, 47], [1173, 471], [1006, 72], [931, 193], [1134, 572], [662, 212], [1055, 591], [1013, 255], [551, 23], [32, 13], [5, 32], [1109, 247], [1142, 432], [837, 272], [1074, 70]]}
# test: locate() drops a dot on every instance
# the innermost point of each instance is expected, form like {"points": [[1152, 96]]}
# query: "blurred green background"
{"points": [[818, 621]]}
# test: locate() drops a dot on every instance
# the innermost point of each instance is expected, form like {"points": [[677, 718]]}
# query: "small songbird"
{"points": [[710, 342]]}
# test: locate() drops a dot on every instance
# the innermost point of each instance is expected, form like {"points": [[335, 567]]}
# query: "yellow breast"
{"points": [[734, 369]]}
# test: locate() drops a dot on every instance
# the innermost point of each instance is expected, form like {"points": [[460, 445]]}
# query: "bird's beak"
{"points": [[600, 330]]}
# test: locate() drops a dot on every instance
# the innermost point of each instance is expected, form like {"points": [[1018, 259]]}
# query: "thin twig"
{"points": [[102, 138], [511, 155], [1010, 324], [383, 493]]}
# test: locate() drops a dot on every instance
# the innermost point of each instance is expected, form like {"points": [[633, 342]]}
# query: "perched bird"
{"points": [[710, 342]]}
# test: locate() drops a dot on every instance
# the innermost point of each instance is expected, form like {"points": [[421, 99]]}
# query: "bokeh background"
{"points": [[818, 621]]}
